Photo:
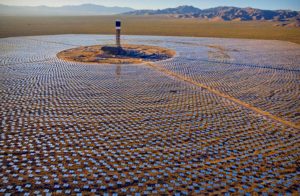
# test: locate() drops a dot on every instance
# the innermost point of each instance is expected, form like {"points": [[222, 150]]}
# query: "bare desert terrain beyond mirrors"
{"points": [[190, 105]]}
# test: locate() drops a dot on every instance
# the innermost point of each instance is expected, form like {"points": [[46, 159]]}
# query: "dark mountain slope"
{"points": [[222, 13]]}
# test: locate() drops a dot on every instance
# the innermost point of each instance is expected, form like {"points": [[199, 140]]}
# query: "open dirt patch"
{"points": [[218, 53], [127, 54]]}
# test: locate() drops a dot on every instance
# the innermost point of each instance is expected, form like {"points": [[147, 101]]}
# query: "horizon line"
{"points": [[137, 9]]}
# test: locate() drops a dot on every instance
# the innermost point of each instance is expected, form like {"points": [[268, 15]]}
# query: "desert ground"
{"points": [[221, 116], [145, 25]]}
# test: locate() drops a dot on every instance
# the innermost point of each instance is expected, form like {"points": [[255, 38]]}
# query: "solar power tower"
{"points": [[118, 33]]}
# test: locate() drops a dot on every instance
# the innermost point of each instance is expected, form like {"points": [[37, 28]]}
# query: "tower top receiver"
{"points": [[118, 24]]}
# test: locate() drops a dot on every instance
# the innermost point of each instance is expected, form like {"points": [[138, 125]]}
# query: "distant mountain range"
{"points": [[215, 14], [72, 10], [222, 13]]}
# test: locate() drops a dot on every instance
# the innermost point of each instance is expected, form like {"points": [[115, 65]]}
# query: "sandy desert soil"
{"points": [[134, 54], [145, 25], [154, 128]]}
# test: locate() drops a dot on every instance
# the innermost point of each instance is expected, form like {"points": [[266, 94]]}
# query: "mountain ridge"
{"points": [[68, 10], [225, 13], [221, 13]]}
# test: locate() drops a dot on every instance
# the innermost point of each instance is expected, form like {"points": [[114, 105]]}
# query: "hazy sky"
{"points": [[156, 4]]}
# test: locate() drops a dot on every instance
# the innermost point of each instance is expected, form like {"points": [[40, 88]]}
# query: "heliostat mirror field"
{"points": [[222, 116]]}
